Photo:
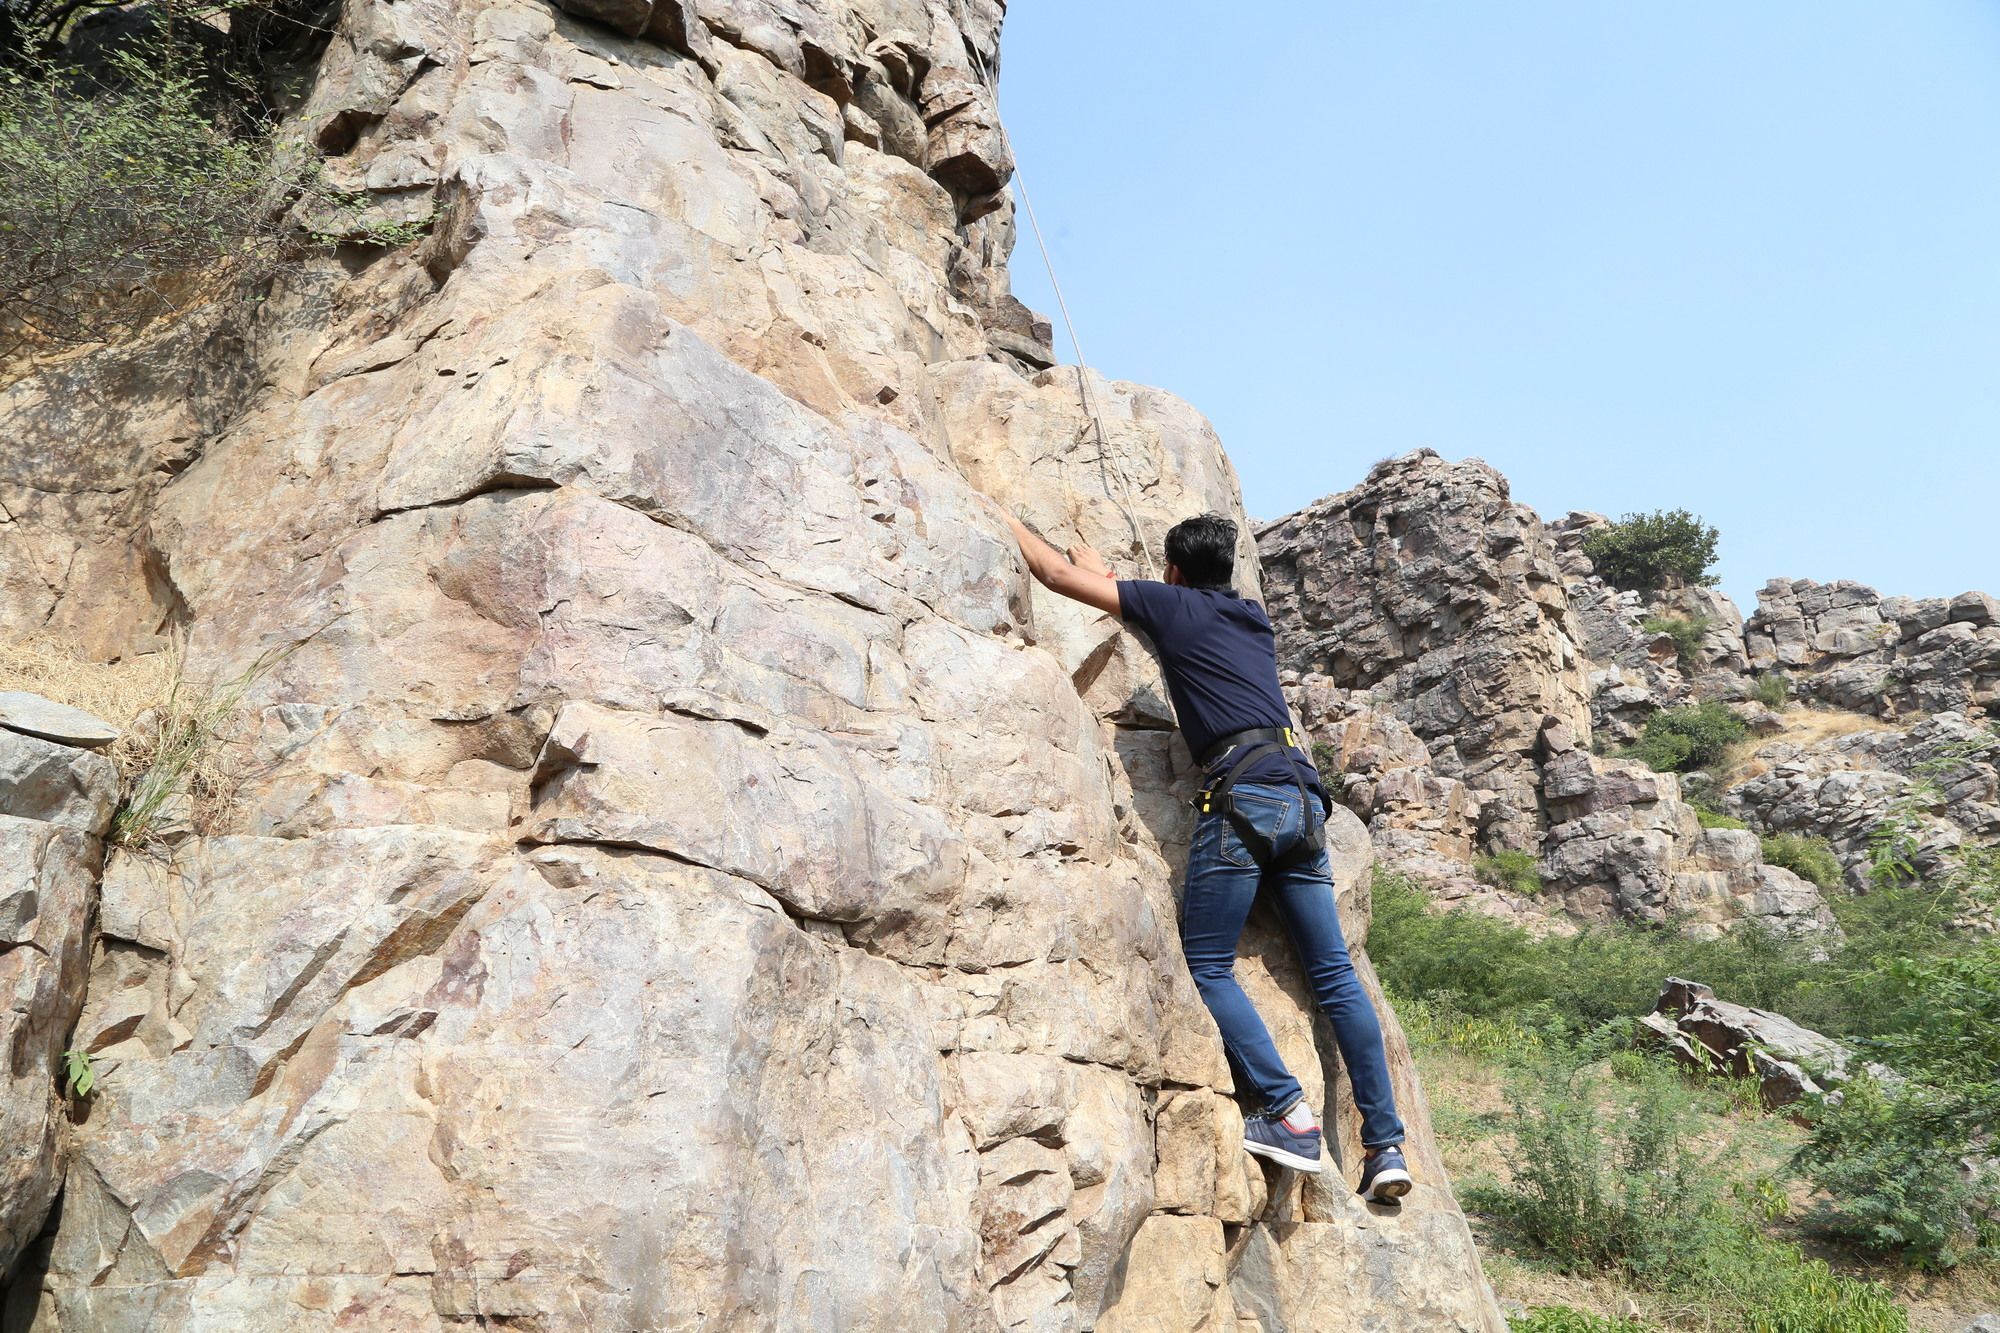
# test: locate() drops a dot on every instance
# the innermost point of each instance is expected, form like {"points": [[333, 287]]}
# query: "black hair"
{"points": [[1204, 550]]}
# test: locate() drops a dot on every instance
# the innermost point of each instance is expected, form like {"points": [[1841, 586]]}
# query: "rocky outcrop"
{"points": [[1428, 588], [56, 803], [685, 874], [1937, 783], [1460, 662], [1847, 646], [1789, 1062]]}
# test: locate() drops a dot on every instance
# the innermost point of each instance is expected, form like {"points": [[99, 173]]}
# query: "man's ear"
{"points": [[1174, 576]]}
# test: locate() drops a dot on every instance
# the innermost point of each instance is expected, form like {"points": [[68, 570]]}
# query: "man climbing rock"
{"points": [[1261, 827]]}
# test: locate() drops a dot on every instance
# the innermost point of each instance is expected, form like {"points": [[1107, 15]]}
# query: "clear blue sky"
{"points": [[1741, 256]]}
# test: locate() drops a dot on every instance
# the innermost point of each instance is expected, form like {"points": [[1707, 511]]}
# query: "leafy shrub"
{"points": [[1647, 552], [1686, 632], [1567, 987], [1614, 1184], [106, 191], [1509, 869], [1677, 739], [1773, 691], [1811, 859], [120, 183], [1597, 1189], [1892, 1164], [1910, 1168]]}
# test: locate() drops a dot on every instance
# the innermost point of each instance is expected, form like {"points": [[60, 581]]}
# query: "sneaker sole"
{"points": [[1389, 1187], [1312, 1166]]}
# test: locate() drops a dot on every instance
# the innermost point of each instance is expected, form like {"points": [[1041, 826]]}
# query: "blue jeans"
{"points": [[1222, 883]]}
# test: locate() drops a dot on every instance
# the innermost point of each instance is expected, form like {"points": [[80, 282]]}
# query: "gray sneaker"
{"points": [[1268, 1136]]}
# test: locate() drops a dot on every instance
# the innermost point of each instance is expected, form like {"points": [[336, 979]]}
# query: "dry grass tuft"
{"points": [[118, 692], [177, 755], [1803, 727]]}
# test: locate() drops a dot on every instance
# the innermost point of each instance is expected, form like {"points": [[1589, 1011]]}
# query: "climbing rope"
{"points": [[1094, 422]]}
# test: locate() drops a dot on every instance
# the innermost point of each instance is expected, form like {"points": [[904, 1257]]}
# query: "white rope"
{"points": [[1083, 392]]}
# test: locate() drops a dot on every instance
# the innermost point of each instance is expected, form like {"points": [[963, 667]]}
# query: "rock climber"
{"points": [[1261, 828]]}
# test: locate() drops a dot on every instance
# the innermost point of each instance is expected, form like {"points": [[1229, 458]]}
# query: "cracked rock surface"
{"points": [[687, 877]]}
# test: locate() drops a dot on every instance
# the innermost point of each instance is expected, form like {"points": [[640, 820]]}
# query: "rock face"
{"points": [[55, 808], [1429, 589], [686, 876], [1461, 661], [1853, 648]]}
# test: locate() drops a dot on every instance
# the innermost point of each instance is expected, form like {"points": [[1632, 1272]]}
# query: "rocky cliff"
{"points": [[1472, 677], [684, 876]]}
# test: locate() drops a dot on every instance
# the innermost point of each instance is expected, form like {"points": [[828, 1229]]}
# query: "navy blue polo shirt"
{"points": [[1220, 659]]}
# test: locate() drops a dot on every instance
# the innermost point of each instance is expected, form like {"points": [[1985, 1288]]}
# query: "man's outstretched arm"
{"points": [[1081, 576]]}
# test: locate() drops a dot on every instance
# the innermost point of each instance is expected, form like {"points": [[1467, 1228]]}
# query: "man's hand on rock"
{"points": [[1085, 557]]}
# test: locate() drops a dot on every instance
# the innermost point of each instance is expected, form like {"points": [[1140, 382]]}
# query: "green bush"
{"points": [[104, 192], [1773, 691], [1509, 869], [1564, 988], [1686, 632], [1910, 1168], [1678, 739], [1811, 859], [120, 184], [1647, 552], [1612, 1183], [1604, 1189]]}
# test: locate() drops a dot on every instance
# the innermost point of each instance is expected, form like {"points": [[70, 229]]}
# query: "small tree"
{"points": [[1647, 552]]}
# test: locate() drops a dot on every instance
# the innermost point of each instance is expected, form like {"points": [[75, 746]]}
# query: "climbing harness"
{"points": [[1220, 798], [1094, 427]]}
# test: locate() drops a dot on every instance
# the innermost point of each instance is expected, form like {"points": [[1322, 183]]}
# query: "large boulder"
{"points": [[685, 873], [1788, 1061]]}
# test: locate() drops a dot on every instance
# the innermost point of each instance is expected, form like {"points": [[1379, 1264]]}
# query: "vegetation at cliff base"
{"points": [[1648, 552], [1621, 1167]]}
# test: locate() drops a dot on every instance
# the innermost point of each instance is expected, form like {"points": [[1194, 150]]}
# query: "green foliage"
{"points": [[1712, 818], [1806, 1296], [1773, 691], [105, 191], [1894, 842], [1678, 739], [1613, 1183], [1686, 632], [1647, 552], [1564, 1319], [1561, 989], [1811, 859], [1599, 1189], [1509, 869], [79, 1075], [1909, 1166], [119, 185]]}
